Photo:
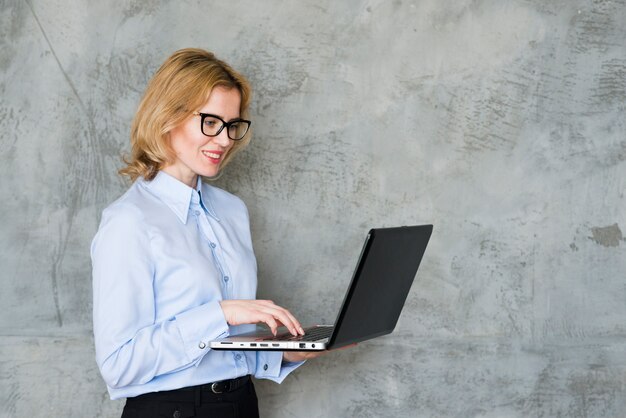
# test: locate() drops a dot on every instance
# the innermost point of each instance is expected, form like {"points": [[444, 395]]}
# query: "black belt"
{"points": [[194, 393], [221, 387]]}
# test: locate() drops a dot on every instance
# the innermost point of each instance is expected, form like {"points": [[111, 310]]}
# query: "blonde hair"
{"points": [[181, 85]]}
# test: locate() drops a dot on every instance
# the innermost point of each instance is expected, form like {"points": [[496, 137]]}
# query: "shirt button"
{"points": [[202, 345], [197, 213], [265, 367], [213, 245], [237, 357], [176, 414], [226, 278]]}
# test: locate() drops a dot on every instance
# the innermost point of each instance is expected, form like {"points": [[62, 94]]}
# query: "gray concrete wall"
{"points": [[501, 122]]}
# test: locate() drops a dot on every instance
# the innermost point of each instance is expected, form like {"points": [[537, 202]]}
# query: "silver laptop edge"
{"points": [[243, 342]]}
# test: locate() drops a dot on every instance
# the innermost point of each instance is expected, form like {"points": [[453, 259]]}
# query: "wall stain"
{"points": [[611, 84], [607, 236], [12, 27]]}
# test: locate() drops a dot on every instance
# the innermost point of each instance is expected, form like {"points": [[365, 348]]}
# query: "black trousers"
{"points": [[197, 401]]}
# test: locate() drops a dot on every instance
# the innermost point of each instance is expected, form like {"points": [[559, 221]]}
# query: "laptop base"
{"points": [[262, 339]]}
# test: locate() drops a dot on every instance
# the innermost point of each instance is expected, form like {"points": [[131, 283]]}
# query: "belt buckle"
{"points": [[214, 388]]}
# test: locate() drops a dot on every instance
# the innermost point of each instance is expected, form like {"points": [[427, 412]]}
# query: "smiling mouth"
{"points": [[214, 157]]}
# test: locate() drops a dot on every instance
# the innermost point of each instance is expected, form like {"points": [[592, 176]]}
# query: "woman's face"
{"points": [[196, 153]]}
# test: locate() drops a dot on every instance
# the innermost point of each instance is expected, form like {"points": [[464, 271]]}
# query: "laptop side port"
{"points": [[302, 345], [275, 345]]}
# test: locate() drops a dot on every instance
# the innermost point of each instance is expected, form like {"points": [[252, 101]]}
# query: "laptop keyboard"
{"points": [[310, 334]]}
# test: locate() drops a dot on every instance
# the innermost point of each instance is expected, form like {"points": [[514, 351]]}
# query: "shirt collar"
{"points": [[178, 196]]}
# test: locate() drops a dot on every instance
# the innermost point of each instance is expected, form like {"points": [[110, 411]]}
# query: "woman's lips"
{"points": [[213, 156]]}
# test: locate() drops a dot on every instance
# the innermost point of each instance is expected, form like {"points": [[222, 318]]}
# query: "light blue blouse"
{"points": [[163, 258]]}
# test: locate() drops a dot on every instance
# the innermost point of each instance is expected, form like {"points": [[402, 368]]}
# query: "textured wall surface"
{"points": [[501, 122]]}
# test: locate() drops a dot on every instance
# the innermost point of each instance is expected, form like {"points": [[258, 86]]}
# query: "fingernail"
{"points": [[301, 331]]}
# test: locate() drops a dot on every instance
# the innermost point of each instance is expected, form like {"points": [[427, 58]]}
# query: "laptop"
{"points": [[371, 307]]}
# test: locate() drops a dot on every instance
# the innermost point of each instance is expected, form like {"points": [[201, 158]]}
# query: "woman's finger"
{"points": [[287, 319], [271, 322], [296, 323], [284, 316]]}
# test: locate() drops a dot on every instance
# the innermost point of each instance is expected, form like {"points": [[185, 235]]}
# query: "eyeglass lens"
{"points": [[212, 126]]}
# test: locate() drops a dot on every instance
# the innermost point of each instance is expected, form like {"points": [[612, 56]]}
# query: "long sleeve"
{"points": [[270, 365]]}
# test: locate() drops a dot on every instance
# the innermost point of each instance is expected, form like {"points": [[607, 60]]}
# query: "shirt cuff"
{"points": [[270, 366], [199, 326]]}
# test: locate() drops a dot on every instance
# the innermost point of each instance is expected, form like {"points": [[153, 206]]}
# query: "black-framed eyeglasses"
{"points": [[212, 125]]}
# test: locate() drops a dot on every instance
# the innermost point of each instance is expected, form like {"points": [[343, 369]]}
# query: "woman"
{"points": [[173, 264]]}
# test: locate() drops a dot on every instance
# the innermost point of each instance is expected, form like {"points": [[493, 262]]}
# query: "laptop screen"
{"points": [[381, 283]]}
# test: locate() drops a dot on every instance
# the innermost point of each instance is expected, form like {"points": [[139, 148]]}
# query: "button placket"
{"points": [[209, 236], [219, 256], [221, 266]]}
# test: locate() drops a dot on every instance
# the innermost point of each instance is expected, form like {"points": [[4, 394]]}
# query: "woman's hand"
{"points": [[238, 312], [296, 356]]}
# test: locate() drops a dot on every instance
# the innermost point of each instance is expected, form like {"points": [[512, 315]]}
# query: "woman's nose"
{"points": [[222, 138]]}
